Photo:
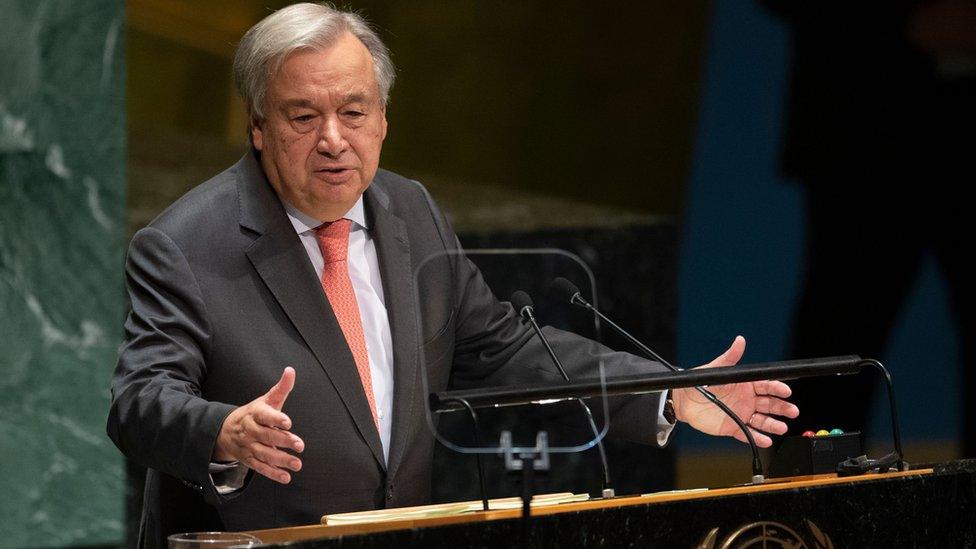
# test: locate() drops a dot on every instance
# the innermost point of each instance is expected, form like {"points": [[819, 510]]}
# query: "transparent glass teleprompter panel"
{"points": [[504, 271]]}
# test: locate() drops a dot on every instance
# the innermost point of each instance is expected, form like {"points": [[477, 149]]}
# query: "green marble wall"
{"points": [[61, 247]]}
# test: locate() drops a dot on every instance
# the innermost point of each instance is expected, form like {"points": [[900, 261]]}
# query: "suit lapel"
{"points": [[393, 251], [280, 260]]}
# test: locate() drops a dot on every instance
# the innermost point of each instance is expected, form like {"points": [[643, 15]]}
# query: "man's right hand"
{"points": [[252, 434]]}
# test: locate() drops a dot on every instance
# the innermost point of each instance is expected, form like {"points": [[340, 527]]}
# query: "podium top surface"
{"points": [[326, 531]]}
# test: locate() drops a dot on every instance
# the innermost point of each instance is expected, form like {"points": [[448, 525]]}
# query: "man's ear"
{"points": [[383, 136], [257, 134]]}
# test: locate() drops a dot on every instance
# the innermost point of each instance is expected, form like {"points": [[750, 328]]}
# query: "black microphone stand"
{"points": [[523, 305], [564, 286]]}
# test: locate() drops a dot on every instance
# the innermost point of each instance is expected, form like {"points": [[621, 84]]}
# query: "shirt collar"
{"points": [[304, 222]]}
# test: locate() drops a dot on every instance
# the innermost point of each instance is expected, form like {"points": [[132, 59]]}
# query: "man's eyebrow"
{"points": [[345, 99], [355, 97], [297, 103]]}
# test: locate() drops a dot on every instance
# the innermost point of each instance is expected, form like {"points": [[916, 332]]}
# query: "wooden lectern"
{"points": [[924, 507]]}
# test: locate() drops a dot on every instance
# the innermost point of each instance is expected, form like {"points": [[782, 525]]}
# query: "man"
{"points": [[271, 367]]}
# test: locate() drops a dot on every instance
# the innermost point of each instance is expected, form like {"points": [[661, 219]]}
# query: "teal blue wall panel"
{"points": [[62, 141], [742, 241]]}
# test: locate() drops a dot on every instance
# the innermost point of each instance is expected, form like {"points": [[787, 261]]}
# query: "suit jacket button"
{"points": [[389, 492]]}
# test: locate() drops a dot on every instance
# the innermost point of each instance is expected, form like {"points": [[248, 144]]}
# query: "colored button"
{"points": [[809, 433], [836, 432], [823, 433]]}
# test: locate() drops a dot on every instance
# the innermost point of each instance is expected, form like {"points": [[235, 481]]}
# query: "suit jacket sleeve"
{"points": [[493, 347], [158, 417]]}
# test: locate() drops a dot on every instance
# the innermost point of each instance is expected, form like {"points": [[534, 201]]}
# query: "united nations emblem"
{"points": [[768, 534]]}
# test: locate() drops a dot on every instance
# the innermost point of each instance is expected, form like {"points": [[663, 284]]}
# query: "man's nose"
{"points": [[331, 141]]}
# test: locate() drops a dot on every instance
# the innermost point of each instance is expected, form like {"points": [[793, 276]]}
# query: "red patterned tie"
{"points": [[333, 241]]}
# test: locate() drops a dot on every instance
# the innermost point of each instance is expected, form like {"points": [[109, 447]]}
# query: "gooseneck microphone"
{"points": [[523, 306], [567, 290]]}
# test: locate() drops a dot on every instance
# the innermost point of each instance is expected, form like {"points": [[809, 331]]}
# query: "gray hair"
{"points": [[307, 26]]}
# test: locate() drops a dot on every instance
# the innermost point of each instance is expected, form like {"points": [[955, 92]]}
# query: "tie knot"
{"points": [[333, 239]]}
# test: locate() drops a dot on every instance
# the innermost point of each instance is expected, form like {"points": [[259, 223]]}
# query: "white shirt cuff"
{"points": [[664, 427], [229, 477]]}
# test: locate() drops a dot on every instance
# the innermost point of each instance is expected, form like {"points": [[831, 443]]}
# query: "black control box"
{"points": [[799, 455]]}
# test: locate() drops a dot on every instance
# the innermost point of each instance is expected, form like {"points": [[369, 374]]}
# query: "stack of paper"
{"points": [[448, 509]]}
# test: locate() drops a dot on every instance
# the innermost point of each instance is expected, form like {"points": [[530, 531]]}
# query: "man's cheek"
{"points": [[299, 142], [290, 148]]}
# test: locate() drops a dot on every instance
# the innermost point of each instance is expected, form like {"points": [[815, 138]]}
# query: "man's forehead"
{"points": [[346, 54], [343, 70]]}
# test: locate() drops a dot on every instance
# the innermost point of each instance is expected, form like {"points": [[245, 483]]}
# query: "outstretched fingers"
{"points": [[273, 436], [274, 457], [767, 424], [261, 451], [262, 468], [773, 388], [762, 440], [776, 407], [257, 434], [268, 416]]}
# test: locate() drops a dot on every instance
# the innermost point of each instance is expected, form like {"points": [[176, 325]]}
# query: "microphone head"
{"points": [[565, 289], [521, 301]]}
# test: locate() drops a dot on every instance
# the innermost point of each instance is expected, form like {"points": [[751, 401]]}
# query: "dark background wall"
{"points": [[560, 98]]}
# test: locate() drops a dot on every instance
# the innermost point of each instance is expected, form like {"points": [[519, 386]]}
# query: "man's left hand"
{"points": [[756, 403]]}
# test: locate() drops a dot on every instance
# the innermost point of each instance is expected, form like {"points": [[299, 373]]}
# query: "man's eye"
{"points": [[354, 114], [303, 118]]}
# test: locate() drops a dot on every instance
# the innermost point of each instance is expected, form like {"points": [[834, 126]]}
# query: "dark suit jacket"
{"points": [[224, 297]]}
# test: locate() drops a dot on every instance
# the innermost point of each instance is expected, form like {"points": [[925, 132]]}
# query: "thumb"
{"points": [[277, 395], [732, 355]]}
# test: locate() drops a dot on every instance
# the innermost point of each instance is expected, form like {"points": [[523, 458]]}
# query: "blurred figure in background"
{"points": [[880, 117]]}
